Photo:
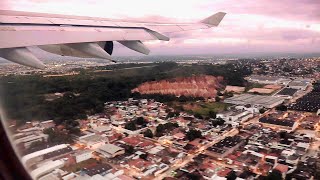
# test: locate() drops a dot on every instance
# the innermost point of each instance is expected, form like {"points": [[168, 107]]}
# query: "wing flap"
{"points": [[21, 37]]}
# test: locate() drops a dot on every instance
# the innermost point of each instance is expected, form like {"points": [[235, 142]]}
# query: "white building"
{"points": [[26, 141], [249, 108], [300, 84], [30, 157], [257, 101], [268, 80], [93, 141], [235, 116], [46, 168], [47, 124], [83, 155], [102, 129], [110, 150]]}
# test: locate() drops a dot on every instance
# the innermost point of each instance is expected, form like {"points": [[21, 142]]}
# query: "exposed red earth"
{"points": [[195, 86]]}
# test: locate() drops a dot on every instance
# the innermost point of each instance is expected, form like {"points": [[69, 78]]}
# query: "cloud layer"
{"points": [[266, 26]]}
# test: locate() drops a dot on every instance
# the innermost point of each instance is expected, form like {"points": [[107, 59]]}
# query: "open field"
{"points": [[203, 108]]}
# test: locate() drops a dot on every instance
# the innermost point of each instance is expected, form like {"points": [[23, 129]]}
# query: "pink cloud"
{"points": [[250, 26]]}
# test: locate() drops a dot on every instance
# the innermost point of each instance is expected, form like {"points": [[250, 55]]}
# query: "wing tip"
{"points": [[215, 19]]}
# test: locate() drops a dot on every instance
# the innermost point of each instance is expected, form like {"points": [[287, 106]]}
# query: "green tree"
{"points": [[148, 133], [261, 111], [129, 149], [56, 136], [282, 108], [193, 134], [144, 156], [274, 175], [212, 114], [140, 121], [130, 126], [232, 176], [198, 115]]}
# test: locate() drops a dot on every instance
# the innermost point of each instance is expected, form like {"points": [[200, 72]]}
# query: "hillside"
{"points": [[195, 86]]}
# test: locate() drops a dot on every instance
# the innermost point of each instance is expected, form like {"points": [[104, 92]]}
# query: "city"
{"points": [[182, 128], [159, 90]]}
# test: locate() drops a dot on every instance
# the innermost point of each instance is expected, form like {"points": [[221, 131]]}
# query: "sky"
{"points": [[250, 27]]}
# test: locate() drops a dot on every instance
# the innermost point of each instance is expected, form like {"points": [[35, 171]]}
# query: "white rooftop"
{"points": [[110, 148], [25, 158]]}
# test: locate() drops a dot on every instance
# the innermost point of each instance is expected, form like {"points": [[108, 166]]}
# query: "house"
{"points": [[110, 150], [283, 169], [139, 164], [92, 140], [235, 115], [179, 136], [83, 155]]}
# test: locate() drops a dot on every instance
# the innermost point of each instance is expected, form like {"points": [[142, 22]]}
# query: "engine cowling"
{"points": [[82, 50]]}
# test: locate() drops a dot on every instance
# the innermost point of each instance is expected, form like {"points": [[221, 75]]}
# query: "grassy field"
{"points": [[253, 85], [202, 108]]}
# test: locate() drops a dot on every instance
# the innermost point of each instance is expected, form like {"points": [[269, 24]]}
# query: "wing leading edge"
{"points": [[19, 30]]}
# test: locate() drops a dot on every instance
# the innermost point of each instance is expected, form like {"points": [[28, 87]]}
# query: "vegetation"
{"points": [[172, 114], [232, 175], [261, 111], [161, 129], [130, 126], [84, 94], [194, 176], [207, 109], [193, 134], [136, 124], [274, 175], [212, 114], [129, 149], [144, 156], [148, 133], [165, 98], [57, 136], [217, 122], [281, 108], [253, 85]]}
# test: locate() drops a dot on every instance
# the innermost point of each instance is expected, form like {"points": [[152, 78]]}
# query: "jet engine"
{"points": [[83, 50]]}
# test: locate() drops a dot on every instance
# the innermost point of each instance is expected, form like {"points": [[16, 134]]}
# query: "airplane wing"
{"points": [[81, 36]]}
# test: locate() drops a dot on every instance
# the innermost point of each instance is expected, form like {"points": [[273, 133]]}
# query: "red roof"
{"points": [[195, 142], [201, 126], [282, 168], [224, 172], [140, 163], [124, 177], [179, 135], [208, 166], [133, 141], [146, 143], [232, 157]]}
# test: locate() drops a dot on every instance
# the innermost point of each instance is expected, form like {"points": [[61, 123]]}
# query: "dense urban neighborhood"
{"points": [[195, 124]]}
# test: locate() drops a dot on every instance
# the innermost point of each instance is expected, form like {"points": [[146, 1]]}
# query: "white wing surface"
{"points": [[81, 36]]}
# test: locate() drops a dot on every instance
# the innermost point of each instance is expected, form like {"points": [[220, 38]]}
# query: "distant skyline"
{"points": [[250, 27]]}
